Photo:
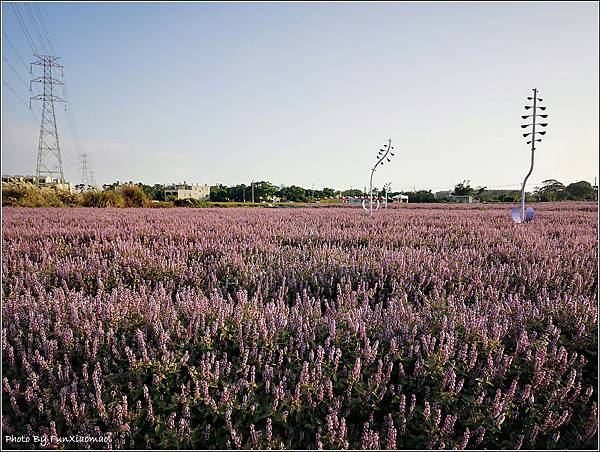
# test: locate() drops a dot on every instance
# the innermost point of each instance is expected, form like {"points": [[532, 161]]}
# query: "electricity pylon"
{"points": [[87, 176], [49, 161]]}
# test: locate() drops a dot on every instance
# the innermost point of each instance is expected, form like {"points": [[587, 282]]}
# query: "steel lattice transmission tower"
{"points": [[49, 160], [87, 176]]}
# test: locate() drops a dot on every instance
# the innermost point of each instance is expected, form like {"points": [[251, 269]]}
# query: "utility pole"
{"points": [[49, 160], [252, 191]]}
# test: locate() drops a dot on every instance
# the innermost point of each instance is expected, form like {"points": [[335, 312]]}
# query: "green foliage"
{"points": [[463, 188], [31, 196], [161, 204], [219, 193], [553, 190], [421, 196], [550, 191], [292, 193], [68, 199], [12, 194], [264, 191], [352, 192], [580, 191], [190, 202], [155, 192], [106, 198], [328, 192], [239, 193], [134, 196]]}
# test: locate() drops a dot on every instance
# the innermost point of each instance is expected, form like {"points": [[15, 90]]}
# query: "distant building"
{"points": [[40, 181], [400, 198], [464, 199], [187, 191]]}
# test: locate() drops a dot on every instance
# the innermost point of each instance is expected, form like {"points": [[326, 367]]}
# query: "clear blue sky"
{"points": [[300, 93]]}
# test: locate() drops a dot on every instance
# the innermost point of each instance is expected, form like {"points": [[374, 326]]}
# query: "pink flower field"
{"points": [[422, 327]]}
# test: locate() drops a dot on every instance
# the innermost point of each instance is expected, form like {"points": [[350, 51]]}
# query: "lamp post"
{"points": [[381, 156], [523, 216]]}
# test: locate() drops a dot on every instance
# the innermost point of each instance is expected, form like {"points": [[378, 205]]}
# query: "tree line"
{"points": [[264, 191], [129, 194]]}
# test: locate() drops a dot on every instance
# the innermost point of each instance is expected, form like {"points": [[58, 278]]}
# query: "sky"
{"points": [[307, 93]]}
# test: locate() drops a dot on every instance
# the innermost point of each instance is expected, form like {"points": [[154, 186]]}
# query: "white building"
{"points": [[40, 181], [464, 199], [187, 191], [400, 198]]}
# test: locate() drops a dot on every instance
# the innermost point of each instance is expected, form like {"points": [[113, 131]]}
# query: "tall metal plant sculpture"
{"points": [[521, 215], [387, 188], [381, 156]]}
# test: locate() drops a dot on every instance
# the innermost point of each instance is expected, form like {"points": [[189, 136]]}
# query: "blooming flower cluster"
{"points": [[301, 328]]}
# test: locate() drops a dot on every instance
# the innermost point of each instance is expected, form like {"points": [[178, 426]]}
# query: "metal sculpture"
{"points": [[521, 215], [387, 188], [381, 156]]}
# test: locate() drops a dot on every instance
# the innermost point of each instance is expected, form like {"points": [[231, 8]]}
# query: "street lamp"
{"points": [[522, 215], [381, 157]]}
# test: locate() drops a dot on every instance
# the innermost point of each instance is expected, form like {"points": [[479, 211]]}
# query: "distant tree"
{"points": [[352, 192], [463, 188], [112, 186], [106, 198], [552, 190], [219, 193], [134, 196], [328, 193], [158, 192], [264, 191], [421, 196], [512, 196], [580, 191], [292, 193], [238, 193]]}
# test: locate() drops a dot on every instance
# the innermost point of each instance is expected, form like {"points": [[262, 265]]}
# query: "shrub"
{"points": [[190, 202], [69, 199], [134, 196], [107, 198], [12, 194], [161, 204]]}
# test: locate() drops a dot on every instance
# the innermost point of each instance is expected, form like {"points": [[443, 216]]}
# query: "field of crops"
{"points": [[423, 327]]}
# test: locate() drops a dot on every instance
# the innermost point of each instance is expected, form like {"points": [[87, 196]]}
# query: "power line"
{"points": [[70, 117], [69, 163], [35, 28], [41, 19], [12, 90], [12, 46], [23, 26], [12, 68]]}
